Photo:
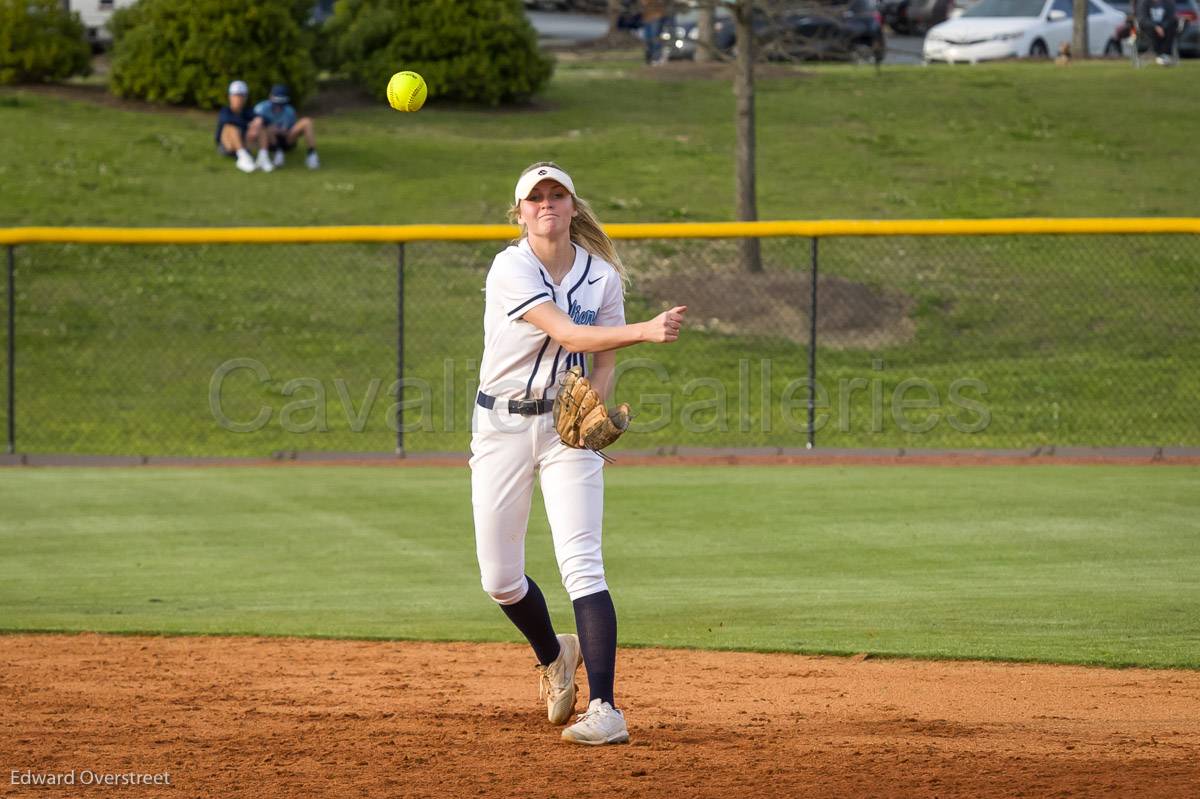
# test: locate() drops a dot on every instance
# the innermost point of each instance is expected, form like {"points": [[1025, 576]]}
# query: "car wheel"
{"points": [[1038, 49]]}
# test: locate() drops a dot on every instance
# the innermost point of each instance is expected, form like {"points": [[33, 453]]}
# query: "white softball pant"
{"points": [[506, 452]]}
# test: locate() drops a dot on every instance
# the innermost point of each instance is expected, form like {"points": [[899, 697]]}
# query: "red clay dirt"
{"points": [[252, 717]]}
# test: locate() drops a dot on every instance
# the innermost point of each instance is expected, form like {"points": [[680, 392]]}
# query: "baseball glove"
{"points": [[580, 417]]}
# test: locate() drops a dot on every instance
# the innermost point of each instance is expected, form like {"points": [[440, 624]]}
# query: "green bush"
{"points": [[482, 51], [187, 53], [41, 42]]}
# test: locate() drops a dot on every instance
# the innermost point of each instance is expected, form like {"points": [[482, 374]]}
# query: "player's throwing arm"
{"points": [[552, 299]]}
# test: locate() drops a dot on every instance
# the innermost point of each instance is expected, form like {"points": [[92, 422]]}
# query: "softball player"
{"points": [[551, 298]]}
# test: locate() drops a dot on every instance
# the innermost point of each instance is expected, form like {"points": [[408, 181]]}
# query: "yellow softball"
{"points": [[406, 91]]}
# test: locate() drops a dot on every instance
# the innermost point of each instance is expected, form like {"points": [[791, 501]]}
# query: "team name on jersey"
{"points": [[580, 316]]}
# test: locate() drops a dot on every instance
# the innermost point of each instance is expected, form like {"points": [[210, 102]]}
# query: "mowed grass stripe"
{"points": [[1079, 341], [1065, 564]]}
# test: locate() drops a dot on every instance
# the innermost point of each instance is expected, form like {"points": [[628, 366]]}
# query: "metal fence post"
{"points": [[12, 350], [400, 349], [812, 351]]}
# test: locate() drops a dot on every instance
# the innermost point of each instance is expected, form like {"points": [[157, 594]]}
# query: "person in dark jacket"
{"points": [[655, 17], [1157, 19]]}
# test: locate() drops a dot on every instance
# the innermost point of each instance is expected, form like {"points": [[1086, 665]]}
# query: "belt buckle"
{"points": [[524, 407]]}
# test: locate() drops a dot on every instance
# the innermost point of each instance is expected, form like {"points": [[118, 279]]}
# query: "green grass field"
{"points": [[1090, 565], [129, 341], [1079, 342], [1024, 139]]}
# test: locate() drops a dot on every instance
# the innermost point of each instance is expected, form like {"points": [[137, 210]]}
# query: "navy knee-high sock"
{"points": [[532, 618], [596, 623]]}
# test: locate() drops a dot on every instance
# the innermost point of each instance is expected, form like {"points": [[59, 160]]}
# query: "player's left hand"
{"points": [[580, 417]]}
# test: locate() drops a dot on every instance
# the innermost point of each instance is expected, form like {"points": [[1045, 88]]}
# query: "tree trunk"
{"points": [[706, 45], [743, 90], [614, 13], [1079, 39]]}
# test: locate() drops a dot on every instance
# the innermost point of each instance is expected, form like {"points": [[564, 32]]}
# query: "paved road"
{"points": [[904, 49], [566, 27]]}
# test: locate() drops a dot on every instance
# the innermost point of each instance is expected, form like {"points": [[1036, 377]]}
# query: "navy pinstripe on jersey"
{"points": [[572, 356], [553, 371], [520, 360], [586, 268], [531, 299], [549, 285], [537, 363]]}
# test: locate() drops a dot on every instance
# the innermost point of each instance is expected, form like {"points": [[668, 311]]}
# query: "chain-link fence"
{"points": [[962, 342]]}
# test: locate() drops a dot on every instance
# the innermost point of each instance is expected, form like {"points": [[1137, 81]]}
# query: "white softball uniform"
{"points": [[521, 362]]}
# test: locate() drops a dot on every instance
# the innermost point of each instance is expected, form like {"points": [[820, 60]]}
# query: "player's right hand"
{"points": [[665, 327]]}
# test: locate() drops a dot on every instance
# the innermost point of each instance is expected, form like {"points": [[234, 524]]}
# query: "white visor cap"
{"points": [[536, 176]]}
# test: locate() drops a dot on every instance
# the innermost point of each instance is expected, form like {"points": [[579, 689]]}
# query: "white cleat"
{"points": [[311, 161], [244, 161], [557, 683], [278, 158], [264, 161], [602, 724]]}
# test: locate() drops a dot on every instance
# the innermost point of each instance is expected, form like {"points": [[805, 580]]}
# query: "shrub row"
{"points": [[479, 51], [40, 42]]}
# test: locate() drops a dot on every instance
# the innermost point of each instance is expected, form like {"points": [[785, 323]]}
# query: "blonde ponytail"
{"points": [[585, 228]]}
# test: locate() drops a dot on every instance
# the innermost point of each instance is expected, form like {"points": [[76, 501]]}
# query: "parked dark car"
{"points": [[581, 6], [792, 31], [1187, 40], [915, 17], [683, 37]]}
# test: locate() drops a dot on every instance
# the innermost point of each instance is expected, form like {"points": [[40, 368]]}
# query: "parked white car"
{"points": [[993, 29], [95, 15]]}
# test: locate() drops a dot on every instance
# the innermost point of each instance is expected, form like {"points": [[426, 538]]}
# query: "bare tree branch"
{"points": [[706, 44], [1079, 38], [743, 90], [613, 10]]}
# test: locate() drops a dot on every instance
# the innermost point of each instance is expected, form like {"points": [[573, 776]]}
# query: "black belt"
{"points": [[530, 407]]}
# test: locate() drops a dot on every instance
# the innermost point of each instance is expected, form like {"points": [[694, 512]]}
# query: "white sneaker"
{"points": [[311, 160], [244, 161], [264, 161], [1161, 61], [602, 724], [557, 683], [279, 158]]}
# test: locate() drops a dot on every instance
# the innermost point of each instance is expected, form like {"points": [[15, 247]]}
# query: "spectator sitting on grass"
{"points": [[1158, 20], [1123, 32], [276, 128], [232, 123]]}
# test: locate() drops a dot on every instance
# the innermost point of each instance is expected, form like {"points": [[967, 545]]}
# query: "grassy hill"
{"points": [[1073, 340]]}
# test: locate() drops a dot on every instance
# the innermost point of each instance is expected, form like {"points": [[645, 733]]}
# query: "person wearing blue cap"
{"points": [[279, 128], [232, 123]]}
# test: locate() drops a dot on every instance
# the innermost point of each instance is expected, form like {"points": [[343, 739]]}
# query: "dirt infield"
{"points": [[247, 717]]}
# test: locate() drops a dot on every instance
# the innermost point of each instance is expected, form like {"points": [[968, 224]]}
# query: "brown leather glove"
{"points": [[580, 417]]}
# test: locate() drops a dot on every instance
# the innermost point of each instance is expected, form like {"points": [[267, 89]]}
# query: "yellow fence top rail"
{"points": [[681, 230]]}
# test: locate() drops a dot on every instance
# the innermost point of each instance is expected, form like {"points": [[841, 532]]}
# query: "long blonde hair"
{"points": [[585, 228]]}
